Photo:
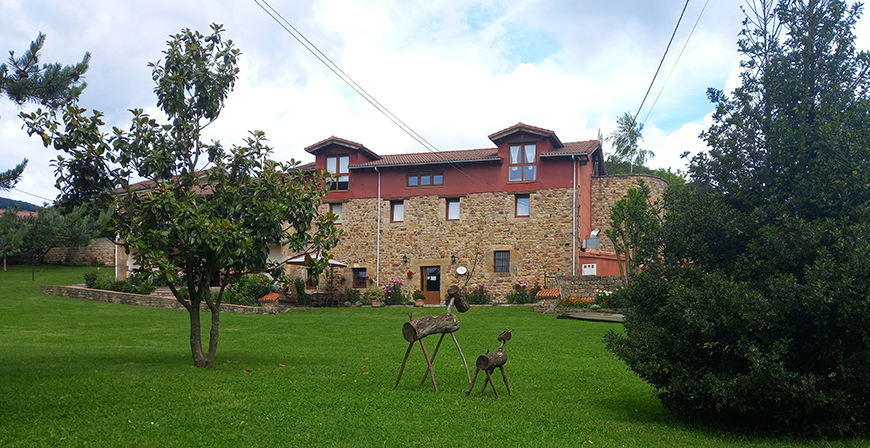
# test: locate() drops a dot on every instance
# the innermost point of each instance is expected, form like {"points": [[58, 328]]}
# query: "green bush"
{"points": [[91, 278], [372, 294], [352, 295], [393, 293], [608, 299], [479, 295], [248, 289], [302, 297], [523, 293], [780, 354], [134, 285]]}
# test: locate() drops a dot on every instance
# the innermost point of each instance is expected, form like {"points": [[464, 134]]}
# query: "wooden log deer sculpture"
{"points": [[489, 361], [417, 329]]}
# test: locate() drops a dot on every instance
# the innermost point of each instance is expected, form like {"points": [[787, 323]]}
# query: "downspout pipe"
{"points": [[378, 249], [574, 220]]}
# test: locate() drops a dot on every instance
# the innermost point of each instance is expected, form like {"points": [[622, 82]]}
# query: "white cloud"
{"points": [[452, 70]]}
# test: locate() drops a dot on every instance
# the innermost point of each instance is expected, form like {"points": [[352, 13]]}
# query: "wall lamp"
{"points": [[453, 259], [404, 258]]}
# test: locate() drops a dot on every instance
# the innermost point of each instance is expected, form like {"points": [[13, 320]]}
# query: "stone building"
{"points": [[523, 209]]}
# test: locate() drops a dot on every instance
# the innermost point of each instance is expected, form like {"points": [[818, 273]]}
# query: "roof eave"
{"points": [[440, 162]]}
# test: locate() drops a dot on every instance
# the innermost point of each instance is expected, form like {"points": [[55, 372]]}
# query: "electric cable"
{"points": [[675, 63], [663, 60]]}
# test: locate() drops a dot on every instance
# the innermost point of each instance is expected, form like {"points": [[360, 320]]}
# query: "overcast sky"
{"points": [[455, 71]]}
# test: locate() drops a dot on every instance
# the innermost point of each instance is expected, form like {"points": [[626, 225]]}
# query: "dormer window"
{"points": [[523, 164], [337, 166]]}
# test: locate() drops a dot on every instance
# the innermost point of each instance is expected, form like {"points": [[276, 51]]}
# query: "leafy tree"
{"points": [[674, 177], [51, 85], [616, 165], [634, 220], [756, 313], [34, 235], [626, 141], [190, 224]]}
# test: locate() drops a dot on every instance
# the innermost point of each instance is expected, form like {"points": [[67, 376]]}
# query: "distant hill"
{"points": [[24, 206]]}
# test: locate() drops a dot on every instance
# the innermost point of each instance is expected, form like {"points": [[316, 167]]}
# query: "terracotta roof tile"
{"points": [[425, 158], [550, 293], [586, 147]]}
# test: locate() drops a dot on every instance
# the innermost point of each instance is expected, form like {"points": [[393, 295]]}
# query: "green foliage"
{"points": [[674, 177], [91, 278], [523, 292], [33, 236], [612, 299], [393, 293], [302, 297], [626, 139], [6, 203], [248, 289], [615, 165], [418, 294], [353, 295], [373, 294], [203, 222], [479, 295], [135, 285], [634, 221], [51, 85], [754, 311]]}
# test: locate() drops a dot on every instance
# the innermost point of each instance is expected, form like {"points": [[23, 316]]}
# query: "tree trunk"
{"points": [[492, 360], [213, 336], [196, 336], [424, 326]]}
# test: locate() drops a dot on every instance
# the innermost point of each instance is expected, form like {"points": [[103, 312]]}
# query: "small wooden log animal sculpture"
{"points": [[417, 329], [489, 361]]}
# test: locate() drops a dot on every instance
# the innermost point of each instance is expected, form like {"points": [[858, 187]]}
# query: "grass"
{"points": [[81, 373]]}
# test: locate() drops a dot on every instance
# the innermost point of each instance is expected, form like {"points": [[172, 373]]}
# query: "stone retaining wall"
{"points": [[99, 295], [587, 285]]}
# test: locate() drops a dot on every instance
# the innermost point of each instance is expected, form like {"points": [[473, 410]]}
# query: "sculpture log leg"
{"points": [[471, 386], [434, 354], [429, 363], [464, 363], [505, 380], [489, 381], [407, 352]]}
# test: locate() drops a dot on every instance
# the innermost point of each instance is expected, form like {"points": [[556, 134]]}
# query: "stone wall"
{"points": [[99, 295], [101, 251], [586, 286], [606, 190], [539, 244]]}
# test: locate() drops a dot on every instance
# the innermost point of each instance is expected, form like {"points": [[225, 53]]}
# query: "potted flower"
{"points": [[375, 296], [418, 296], [410, 274]]}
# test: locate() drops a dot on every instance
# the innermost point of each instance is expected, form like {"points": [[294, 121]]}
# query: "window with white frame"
{"points": [[336, 209], [522, 205], [452, 209], [397, 211]]}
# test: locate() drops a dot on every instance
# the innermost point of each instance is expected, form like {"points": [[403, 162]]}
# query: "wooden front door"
{"points": [[431, 279]]}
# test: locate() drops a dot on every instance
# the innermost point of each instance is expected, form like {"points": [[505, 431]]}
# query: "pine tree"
{"points": [[51, 85]]}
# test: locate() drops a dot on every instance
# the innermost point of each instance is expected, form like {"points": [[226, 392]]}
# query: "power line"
{"points": [[676, 62], [335, 69], [663, 59], [31, 194], [332, 66]]}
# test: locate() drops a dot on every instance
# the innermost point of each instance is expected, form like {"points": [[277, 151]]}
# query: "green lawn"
{"points": [[81, 373]]}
